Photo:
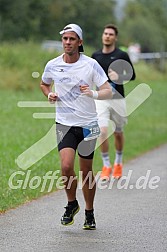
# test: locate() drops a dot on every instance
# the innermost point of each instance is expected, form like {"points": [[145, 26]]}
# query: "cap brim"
{"points": [[81, 49]]}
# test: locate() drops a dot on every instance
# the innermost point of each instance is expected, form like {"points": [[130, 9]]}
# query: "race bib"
{"points": [[91, 131]]}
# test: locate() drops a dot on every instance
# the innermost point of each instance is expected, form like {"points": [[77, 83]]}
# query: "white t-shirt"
{"points": [[72, 107]]}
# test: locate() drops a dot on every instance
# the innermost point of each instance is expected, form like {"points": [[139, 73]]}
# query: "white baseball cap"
{"points": [[75, 28]]}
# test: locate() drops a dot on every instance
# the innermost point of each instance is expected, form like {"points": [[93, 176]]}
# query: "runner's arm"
{"points": [[47, 91], [105, 91]]}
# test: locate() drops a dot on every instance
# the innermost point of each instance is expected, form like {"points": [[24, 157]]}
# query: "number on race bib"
{"points": [[91, 131]]}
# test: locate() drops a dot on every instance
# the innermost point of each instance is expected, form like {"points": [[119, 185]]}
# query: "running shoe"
{"points": [[106, 172], [90, 223], [70, 212], [117, 172]]}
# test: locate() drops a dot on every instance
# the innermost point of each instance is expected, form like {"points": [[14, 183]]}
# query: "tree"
{"points": [[91, 15], [27, 19], [145, 22], [23, 19]]}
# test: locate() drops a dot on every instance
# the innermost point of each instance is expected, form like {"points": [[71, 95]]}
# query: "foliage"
{"points": [[145, 22], [31, 19], [23, 19], [18, 61]]}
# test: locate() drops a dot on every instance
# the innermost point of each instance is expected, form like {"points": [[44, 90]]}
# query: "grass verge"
{"points": [[146, 128]]}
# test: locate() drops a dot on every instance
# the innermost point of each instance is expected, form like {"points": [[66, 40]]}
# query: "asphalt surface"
{"points": [[131, 215]]}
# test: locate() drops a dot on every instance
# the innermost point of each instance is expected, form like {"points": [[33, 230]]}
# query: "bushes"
{"points": [[18, 61]]}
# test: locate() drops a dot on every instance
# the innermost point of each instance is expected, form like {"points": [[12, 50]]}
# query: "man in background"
{"points": [[119, 69]]}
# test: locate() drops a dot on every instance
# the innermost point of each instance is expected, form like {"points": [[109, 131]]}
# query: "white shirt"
{"points": [[72, 107]]}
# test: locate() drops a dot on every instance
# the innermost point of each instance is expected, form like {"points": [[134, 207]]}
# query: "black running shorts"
{"points": [[72, 137]]}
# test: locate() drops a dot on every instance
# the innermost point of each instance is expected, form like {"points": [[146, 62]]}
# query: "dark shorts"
{"points": [[72, 137]]}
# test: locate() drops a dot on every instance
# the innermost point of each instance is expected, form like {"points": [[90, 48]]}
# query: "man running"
{"points": [[74, 76], [118, 67]]}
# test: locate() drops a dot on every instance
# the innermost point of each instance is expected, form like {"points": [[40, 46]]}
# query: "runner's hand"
{"points": [[52, 97], [113, 75], [86, 90]]}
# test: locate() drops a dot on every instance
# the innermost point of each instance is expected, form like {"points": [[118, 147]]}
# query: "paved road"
{"points": [[129, 218]]}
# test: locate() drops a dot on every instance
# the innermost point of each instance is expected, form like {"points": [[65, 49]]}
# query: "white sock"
{"points": [[106, 159], [118, 157]]}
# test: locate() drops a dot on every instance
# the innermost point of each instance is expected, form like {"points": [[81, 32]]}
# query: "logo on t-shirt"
{"points": [[58, 69]]}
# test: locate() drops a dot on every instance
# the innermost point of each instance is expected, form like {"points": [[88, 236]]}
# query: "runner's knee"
{"points": [[67, 169]]}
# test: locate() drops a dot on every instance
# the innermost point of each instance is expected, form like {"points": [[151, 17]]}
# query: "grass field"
{"points": [[146, 128]]}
